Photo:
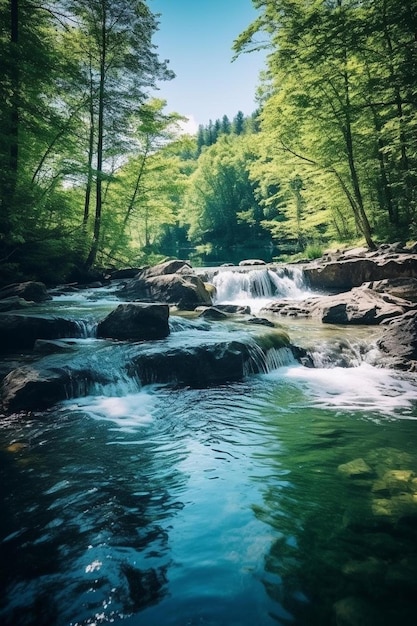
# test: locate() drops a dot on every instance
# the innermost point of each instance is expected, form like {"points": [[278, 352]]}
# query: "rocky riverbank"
{"points": [[363, 288]]}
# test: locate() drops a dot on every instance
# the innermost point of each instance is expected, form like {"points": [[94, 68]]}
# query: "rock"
{"points": [[361, 305], [19, 331], [31, 290], [197, 362], [355, 611], [239, 309], [213, 313], [358, 468], [348, 273], [398, 343], [127, 272], [53, 346], [405, 288], [37, 387], [261, 321], [251, 262], [14, 303], [211, 289], [168, 267], [185, 291], [136, 322], [28, 389]]}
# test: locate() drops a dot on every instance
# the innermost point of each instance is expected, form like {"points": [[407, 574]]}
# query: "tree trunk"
{"points": [[100, 142]]}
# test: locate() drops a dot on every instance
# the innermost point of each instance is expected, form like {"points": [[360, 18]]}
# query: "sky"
{"points": [[197, 37]]}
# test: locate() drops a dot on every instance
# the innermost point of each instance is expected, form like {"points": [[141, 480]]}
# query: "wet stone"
{"points": [[358, 468]]}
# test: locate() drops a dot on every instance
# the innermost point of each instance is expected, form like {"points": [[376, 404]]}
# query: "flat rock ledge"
{"points": [[352, 268], [40, 385], [360, 305]]}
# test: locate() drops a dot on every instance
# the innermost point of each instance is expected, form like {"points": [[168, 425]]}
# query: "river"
{"points": [[287, 498]]}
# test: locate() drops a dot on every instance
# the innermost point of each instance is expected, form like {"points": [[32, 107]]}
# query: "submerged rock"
{"points": [[356, 611], [136, 322], [358, 468]]}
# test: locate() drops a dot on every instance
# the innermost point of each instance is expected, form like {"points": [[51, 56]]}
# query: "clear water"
{"points": [[288, 498]]}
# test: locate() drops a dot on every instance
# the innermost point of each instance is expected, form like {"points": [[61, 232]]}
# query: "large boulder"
{"points": [[398, 343], [361, 305], [38, 387], [136, 322], [206, 362], [161, 269], [185, 291], [347, 273], [28, 388], [31, 290], [19, 331]]}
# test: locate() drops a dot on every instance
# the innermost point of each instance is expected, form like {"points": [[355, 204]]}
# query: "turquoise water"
{"points": [[288, 498]]}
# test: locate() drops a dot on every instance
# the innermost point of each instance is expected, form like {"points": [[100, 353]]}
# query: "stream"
{"points": [[288, 498]]}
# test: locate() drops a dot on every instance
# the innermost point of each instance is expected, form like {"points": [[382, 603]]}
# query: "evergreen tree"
{"points": [[226, 126], [239, 123]]}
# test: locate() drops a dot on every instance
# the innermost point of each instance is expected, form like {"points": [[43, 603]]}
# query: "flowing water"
{"points": [[287, 498]]}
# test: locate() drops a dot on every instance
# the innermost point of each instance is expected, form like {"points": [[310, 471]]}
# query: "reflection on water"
{"points": [[227, 505]]}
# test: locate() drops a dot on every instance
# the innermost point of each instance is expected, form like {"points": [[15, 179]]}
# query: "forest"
{"points": [[95, 174]]}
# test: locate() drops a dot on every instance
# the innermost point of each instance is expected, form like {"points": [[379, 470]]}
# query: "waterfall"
{"points": [[265, 283], [87, 329]]}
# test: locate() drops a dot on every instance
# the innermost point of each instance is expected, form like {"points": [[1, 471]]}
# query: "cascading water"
{"points": [[258, 286], [289, 496]]}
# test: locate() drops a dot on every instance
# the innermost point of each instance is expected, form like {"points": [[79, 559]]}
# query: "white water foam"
{"points": [[128, 412], [363, 388]]}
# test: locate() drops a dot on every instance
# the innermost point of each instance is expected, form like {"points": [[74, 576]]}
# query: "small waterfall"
{"points": [[265, 361], [87, 329], [282, 282]]}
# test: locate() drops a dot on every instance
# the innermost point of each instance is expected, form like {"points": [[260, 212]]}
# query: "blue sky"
{"points": [[197, 37]]}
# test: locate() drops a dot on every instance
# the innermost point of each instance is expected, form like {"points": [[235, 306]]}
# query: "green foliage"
{"points": [[221, 208], [339, 110]]}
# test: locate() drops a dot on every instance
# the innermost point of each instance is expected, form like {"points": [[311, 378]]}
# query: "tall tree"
{"points": [[341, 103], [124, 65]]}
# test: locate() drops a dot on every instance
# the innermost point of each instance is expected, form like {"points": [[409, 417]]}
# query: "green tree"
{"points": [[121, 64], [239, 123], [33, 122], [221, 208], [341, 106], [145, 187]]}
